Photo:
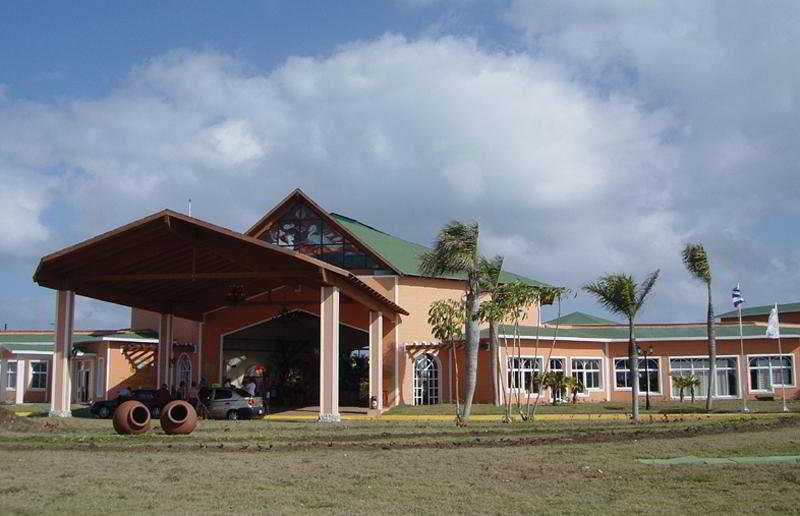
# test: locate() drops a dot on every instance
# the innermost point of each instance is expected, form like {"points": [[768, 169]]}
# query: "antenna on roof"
{"points": [[190, 207]]}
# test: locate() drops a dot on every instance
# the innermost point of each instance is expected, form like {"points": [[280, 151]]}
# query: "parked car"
{"points": [[231, 403], [149, 397]]}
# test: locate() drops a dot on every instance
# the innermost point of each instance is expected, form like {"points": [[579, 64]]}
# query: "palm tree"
{"points": [[558, 384], [575, 387], [491, 312], [692, 382], [456, 252], [682, 383], [697, 263], [620, 294]]}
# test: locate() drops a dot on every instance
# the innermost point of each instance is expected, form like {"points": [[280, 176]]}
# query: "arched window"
{"points": [[185, 370], [426, 380]]}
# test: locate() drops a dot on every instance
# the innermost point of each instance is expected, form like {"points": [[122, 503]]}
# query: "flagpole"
{"points": [[744, 362], [783, 384]]}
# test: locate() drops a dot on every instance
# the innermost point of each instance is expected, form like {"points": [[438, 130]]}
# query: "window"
{"points": [[223, 394], [11, 376], [38, 375], [185, 370], [649, 377], [769, 371], [426, 380], [587, 371], [727, 377], [304, 231], [522, 373]]}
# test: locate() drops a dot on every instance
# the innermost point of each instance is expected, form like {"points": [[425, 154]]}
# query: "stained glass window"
{"points": [[304, 231]]}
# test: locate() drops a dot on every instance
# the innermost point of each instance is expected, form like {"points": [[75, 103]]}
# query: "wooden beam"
{"points": [[189, 276]]}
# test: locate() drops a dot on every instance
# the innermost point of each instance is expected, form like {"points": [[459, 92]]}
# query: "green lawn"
{"points": [[80, 465]]}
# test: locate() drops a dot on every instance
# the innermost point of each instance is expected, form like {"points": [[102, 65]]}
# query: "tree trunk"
{"points": [[472, 341], [681, 394], [495, 345], [712, 351], [633, 356]]}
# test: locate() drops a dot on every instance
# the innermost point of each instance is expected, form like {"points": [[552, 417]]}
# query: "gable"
{"points": [[309, 231]]}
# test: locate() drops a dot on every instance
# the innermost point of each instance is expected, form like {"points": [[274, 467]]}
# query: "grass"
{"points": [[80, 465], [687, 407]]}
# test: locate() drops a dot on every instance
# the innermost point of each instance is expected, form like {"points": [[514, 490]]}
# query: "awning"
{"points": [[171, 263]]}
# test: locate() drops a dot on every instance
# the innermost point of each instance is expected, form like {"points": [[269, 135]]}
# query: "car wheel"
{"points": [[155, 412], [233, 415], [103, 412]]}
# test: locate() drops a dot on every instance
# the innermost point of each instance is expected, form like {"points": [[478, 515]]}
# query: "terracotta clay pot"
{"points": [[131, 417], [178, 417]]}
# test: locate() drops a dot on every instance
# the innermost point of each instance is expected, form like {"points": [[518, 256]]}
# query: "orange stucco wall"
{"points": [[135, 369]]}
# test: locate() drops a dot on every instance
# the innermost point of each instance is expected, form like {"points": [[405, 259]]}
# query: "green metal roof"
{"points": [[644, 332], [578, 318], [763, 310], [405, 255], [20, 342]]}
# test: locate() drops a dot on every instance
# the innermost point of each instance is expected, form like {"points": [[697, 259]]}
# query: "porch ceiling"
{"points": [[171, 263]]}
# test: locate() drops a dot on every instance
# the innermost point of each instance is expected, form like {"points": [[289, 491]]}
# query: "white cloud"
{"points": [[568, 178]]}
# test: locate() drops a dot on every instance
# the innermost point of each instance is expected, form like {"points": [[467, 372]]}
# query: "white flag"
{"points": [[773, 325]]}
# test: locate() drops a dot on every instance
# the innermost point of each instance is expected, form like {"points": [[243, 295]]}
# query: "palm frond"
{"points": [[696, 261], [616, 292], [454, 250], [490, 270], [645, 287]]}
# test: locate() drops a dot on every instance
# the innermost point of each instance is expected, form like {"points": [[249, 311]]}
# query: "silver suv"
{"points": [[231, 403]]}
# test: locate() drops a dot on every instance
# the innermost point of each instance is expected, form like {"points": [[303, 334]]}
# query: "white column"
{"points": [[164, 351], [3, 379], [376, 359], [329, 355], [60, 394], [19, 394]]}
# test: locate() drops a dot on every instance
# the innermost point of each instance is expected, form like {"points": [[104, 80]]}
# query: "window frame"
{"points": [[774, 385], [737, 371], [46, 375], [509, 372], [614, 369], [416, 381], [601, 371], [13, 386]]}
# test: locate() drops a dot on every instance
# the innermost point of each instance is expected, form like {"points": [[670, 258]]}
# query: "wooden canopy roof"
{"points": [[171, 263]]}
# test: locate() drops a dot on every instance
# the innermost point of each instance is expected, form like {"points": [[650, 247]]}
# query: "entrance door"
{"points": [[426, 380]]}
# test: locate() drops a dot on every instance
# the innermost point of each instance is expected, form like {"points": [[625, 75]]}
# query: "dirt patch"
{"points": [[13, 423], [7, 417]]}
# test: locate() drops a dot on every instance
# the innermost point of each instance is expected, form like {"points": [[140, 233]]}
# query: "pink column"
{"points": [[60, 384], [164, 351], [376, 359], [329, 355]]}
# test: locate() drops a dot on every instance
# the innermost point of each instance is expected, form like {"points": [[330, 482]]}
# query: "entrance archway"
{"points": [[426, 380], [285, 352]]}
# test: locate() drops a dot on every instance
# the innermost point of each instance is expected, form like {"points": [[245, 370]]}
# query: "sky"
{"points": [[586, 137]]}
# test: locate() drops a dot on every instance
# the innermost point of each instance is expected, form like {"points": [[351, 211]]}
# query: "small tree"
{"points": [[620, 294], [682, 383], [575, 387], [493, 313], [692, 382], [558, 384], [446, 318]]}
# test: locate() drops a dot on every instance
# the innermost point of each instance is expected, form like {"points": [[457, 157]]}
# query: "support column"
{"points": [[329, 355], [376, 360], [3, 379], [164, 351], [19, 394], [60, 384]]}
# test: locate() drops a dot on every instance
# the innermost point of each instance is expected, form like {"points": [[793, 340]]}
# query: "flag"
{"points": [[773, 325], [737, 296]]}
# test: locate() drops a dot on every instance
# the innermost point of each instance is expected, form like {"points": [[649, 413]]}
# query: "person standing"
{"points": [[250, 387]]}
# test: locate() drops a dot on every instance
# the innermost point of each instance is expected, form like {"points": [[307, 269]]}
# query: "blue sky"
{"points": [[586, 137]]}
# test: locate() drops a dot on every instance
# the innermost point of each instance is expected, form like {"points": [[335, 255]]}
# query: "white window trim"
{"points": [[439, 377], [641, 392], [16, 372], [29, 367], [512, 390], [716, 396], [602, 369], [778, 385]]}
